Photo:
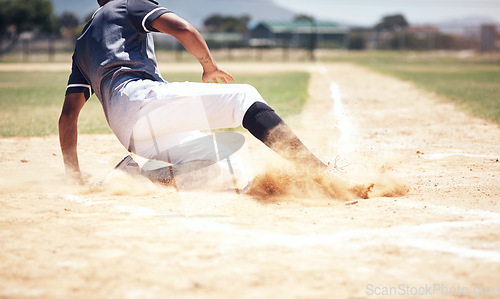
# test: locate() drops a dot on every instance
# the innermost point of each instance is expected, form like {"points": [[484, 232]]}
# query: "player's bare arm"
{"points": [[68, 133], [194, 43]]}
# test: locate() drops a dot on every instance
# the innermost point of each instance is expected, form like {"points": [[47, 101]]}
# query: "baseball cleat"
{"points": [[126, 165], [129, 166]]}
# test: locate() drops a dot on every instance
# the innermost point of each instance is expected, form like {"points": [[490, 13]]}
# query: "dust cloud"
{"points": [[281, 182]]}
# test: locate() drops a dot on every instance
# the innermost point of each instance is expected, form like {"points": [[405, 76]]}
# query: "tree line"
{"points": [[18, 16], [38, 16]]}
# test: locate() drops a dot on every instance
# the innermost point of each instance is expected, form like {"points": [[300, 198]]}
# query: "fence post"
{"points": [[51, 50]]}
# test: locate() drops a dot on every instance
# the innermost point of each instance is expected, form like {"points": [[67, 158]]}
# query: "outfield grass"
{"points": [[472, 81], [30, 102]]}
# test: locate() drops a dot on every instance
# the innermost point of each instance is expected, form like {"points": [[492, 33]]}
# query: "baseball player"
{"points": [[114, 58]]}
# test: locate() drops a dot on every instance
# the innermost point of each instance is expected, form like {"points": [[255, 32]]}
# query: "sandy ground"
{"points": [[135, 239]]}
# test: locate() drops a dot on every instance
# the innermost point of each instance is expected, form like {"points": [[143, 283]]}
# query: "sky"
{"points": [[369, 12], [350, 12]]}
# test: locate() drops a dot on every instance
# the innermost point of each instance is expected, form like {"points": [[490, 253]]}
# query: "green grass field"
{"points": [[472, 81], [30, 102]]}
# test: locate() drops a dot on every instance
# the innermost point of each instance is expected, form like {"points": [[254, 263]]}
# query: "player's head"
{"points": [[102, 2]]}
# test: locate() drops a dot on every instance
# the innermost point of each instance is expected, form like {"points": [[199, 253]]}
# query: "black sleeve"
{"points": [[77, 83], [143, 12]]}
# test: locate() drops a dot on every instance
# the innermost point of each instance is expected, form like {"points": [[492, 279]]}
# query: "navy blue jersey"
{"points": [[115, 47]]}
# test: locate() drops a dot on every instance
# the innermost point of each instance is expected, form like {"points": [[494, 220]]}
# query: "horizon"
{"points": [[357, 12], [365, 12]]}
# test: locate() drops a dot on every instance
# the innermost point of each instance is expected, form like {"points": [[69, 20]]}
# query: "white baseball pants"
{"points": [[176, 113]]}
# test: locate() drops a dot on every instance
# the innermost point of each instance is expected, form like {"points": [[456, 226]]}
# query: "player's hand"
{"points": [[216, 75]]}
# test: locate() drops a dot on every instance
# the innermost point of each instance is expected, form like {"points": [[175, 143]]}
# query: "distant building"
{"points": [[298, 34], [497, 39], [488, 36]]}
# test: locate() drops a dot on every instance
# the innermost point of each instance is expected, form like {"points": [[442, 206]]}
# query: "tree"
{"points": [[303, 18], [3, 19], [68, 20], [392, 23], [218, 23], [28, 15]]}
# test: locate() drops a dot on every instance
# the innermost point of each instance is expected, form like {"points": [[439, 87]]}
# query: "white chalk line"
{"points": [[346, 145], [430, 237], [404, 236], [452, 210], [345, 125], [427, 237], [439, 156], [134, 211]]}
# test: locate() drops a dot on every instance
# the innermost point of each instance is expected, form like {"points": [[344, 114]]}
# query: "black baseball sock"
{"points": [[263, 123]]}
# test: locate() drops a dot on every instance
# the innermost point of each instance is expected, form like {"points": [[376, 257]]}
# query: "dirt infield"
{"points": [[134, 239]]}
